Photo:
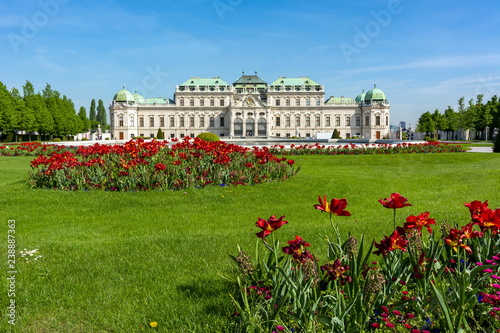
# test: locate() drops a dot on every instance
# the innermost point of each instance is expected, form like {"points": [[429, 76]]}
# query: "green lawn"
{"points": [[114, 262]]}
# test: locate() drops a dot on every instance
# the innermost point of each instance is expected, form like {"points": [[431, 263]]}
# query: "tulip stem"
{"points": [[394, 218]]}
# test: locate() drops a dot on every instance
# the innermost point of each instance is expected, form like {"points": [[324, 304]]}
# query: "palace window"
{"points": [[172, 135], [278, 121], [318, 102], [181, 121], [308, 121], [191, 102], [221, 122], [287, 121], [288, 102], [318, 121], [131, 122], [358, 121], [172, 122], [202, 102], [191, 121], [377, 120], [212, 102], [308, 102], [221, 102], [120, 120], [141, 121], [181, 102], [337, 121], [297, 101], [151, 122], [348, 120], [297, 121], [278, 102], [212, 122], [386, 120], [367, 120], [327, 121], [162, 121], [202, 121]]}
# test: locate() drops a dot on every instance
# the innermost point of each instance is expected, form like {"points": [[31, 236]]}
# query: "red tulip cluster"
{"points": [[144, 165]]}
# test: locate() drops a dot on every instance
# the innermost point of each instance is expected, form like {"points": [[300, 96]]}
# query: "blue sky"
{"points": [[423, 54]]}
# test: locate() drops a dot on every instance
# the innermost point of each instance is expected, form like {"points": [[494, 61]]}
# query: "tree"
{"points": [[85, 122], [101, 116], [93, 115], [450, 121], [160, 134], [28, 89], [496, 143], [335, 134], [43, 122], [426, 123], [7, 111], [439, 124]]}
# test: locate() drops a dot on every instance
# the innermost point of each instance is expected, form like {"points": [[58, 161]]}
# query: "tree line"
{"points": [[45, 115], [482, 117]]}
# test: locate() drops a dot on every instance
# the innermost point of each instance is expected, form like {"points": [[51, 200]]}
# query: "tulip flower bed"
{"points": [[139, 165], [28, 149], [352, 149], [422, 282]]}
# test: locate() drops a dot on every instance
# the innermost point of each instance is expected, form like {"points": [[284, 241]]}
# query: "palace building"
{"points": [[250, 107]]}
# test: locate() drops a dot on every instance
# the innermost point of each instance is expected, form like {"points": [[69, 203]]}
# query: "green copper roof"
{"points": [[340, 100], [196, 81], [291, 81], [361, 97], [123, 96], [138, 98], [375, 94], [157, 100], [249, 79]]}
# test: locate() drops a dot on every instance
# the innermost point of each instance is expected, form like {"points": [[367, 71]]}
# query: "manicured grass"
{"points": [[114, 262]]}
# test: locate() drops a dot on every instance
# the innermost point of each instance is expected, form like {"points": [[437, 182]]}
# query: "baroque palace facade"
{"points": [[250, 107]]}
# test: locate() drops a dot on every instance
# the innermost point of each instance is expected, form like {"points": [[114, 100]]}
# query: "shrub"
{"points": [[56, 140], [207, 136], [336, 134], [160, 135]]}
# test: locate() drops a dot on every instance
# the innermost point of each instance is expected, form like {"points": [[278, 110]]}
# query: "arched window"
{"points": [[238, 127], [261, 127]]}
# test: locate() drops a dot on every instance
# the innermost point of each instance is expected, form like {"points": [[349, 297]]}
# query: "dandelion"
{"points": [[153, 324]]}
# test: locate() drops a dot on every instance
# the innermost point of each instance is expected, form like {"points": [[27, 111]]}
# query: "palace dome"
{"points": [[360, 98], [138, 98], [124, 96], [375, 94]]}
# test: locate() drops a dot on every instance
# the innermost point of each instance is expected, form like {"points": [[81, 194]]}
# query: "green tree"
{"points": [[426, 123], [93, 115], [101, 117], [160, 135], [7, 111], [450, 121], [82, 114], [439, 122], [44, 123]]}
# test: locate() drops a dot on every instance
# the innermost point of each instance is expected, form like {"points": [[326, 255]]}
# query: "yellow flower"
{"points": [[153, 324]]}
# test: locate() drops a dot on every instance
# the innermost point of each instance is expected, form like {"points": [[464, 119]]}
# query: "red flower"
{"points": [[296, 249], [160, 167], [395, 201], [336, 270], [269, 226], [397, 240], [336, 206], [290, 162], [418, 222], [476, 209]]}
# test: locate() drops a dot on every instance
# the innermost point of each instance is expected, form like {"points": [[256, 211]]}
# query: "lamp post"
{"points": [[486, 137]]}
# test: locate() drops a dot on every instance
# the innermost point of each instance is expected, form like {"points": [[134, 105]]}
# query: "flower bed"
{"points": [[352, 149], [28, 149], [140, 165], [422, 282]]}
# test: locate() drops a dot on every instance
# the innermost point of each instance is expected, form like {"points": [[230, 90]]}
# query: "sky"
{"points": [[423, 54]]}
